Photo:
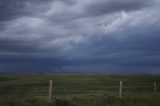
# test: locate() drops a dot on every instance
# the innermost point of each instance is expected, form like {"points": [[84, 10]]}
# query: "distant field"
{"points": [[23, 89]]}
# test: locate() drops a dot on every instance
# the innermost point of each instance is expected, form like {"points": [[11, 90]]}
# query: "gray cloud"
{"points": [[79, 34], [109, 6]]}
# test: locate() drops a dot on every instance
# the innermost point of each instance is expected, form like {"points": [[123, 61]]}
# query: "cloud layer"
{"points": [[80, 35]]}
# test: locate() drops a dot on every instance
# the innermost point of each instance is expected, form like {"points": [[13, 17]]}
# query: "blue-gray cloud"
{"points": [[79, 35]]}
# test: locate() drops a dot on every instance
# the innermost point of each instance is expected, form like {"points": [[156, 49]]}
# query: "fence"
{"points": [[120, 89], [21, 89]]}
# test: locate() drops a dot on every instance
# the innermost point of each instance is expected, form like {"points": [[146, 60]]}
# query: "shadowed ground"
{"points": [[72, 88]]}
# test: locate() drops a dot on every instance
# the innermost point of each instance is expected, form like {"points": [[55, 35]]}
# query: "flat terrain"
{"points": [[23, 88]]}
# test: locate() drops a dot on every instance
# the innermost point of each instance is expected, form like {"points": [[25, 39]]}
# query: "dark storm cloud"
{"points": [[109, 6], [79, 35], [9, 9], [8, 46]]}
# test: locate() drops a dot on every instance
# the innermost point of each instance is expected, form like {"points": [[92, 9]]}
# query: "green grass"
{"points": [[78, 90]]}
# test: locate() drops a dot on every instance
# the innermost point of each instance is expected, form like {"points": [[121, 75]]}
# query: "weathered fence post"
{"points": [[155, 87], [120, 89], [50, 90]]}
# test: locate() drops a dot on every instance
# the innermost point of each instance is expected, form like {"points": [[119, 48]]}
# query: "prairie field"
{"points": [[79, 90]]}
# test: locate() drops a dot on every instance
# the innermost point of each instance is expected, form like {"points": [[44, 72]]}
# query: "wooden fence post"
{"points": [[50, 90], [155, 87], [120, 89]]}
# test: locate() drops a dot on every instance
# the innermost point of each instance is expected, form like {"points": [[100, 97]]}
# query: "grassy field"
{"points": [[78, 90]]}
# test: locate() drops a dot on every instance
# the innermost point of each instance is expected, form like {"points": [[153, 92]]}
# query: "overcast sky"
{"points": [[80, 36]]}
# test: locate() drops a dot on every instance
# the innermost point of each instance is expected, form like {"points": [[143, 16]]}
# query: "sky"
{"points": [[117, 36]]}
